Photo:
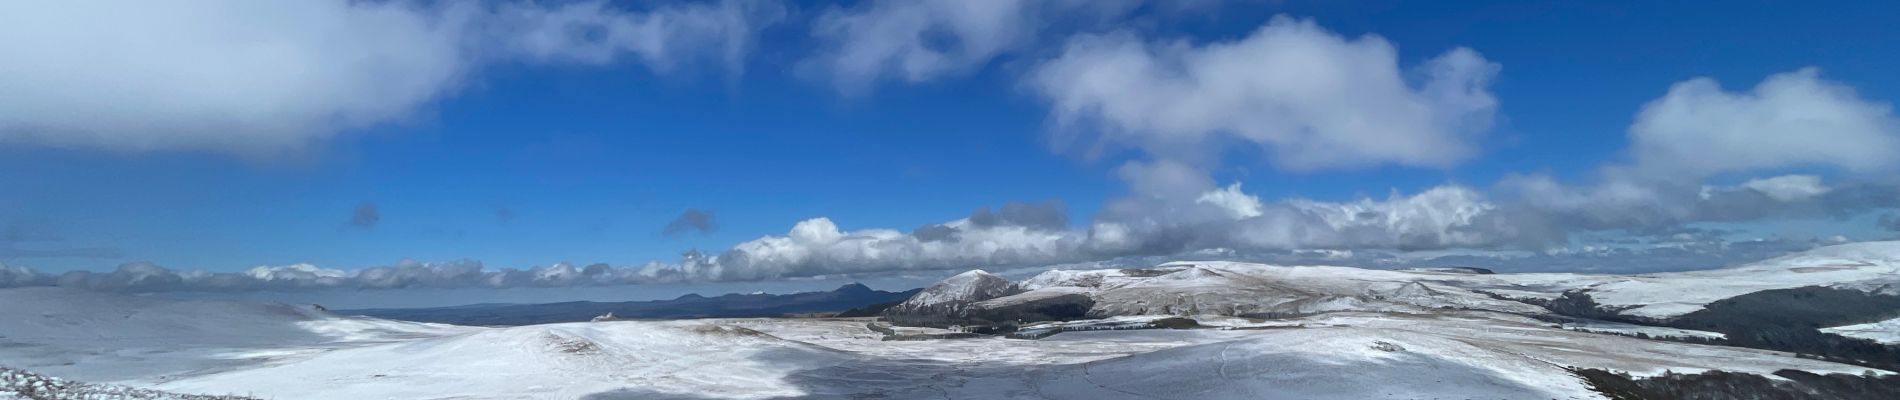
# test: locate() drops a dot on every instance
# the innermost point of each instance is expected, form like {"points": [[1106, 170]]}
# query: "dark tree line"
{"points": [[1721, 385]]}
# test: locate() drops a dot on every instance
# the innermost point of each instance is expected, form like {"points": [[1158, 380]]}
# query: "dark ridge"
{"points": [[998, 319], [1791, 319], [848, 297], [1460, 270], [1722, 385], [870, 310], [1782, 319]]}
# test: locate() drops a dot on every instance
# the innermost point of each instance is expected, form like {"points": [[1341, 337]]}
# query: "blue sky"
{"points": [[525, 156]]}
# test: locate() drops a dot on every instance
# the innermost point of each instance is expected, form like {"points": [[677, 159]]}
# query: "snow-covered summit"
{"points": [[952, 294]]}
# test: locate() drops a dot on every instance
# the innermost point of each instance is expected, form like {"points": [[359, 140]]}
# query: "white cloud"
{"points": [[1308, 98], [1311, 98], [1697, 130], [892, 39], [1241, 204], [257, 78], [1217, 218], [1788, 188], [1440, 217], [817, 247], [917, 41], [294, 272], [1789, 119]]}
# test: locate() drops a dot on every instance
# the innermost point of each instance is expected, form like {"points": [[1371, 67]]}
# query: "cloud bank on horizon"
{"points": [[1302, 97]]}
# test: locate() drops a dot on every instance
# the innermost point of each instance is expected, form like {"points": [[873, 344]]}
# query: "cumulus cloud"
{"points": [[818, 247], [917, 41], [1175, 207], [1022, 234], [1789, 119], [1788, 188], [1507, 234], [1697, 130], [1309, 97], [1447, 216], [691, 220], [259, 78]]}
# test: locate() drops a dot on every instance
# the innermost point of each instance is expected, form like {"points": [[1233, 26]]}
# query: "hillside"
{"points": [[1247, 289], [844, 298]]}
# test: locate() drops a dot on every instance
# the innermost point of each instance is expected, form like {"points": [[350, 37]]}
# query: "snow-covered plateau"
{"points": [[1260, 331]]}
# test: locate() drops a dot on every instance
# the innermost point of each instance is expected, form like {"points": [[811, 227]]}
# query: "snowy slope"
{"points": [[952, 294], [95, 336], [1868, 266], [1887, 331], [559, 361], [1336, 363]]}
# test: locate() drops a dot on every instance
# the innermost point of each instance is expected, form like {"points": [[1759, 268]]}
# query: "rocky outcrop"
{"points": [[27, 385]]}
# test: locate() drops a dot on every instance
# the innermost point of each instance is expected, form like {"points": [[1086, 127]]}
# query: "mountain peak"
{"points": [[853, 287], [954, 292], [975, 273]]}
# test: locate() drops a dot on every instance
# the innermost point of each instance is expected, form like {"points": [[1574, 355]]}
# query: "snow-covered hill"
{"points": [[952, 294], [1868, 266], [1235, 288]]}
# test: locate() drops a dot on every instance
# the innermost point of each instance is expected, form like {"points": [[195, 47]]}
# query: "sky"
{"points": [[233, 146]]}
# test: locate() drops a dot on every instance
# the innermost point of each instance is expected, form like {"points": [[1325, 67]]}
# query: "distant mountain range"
{"points": [[850, 297]]}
